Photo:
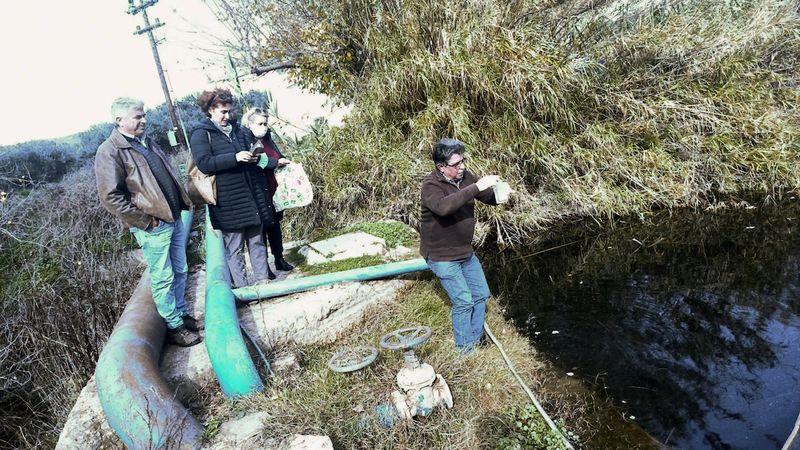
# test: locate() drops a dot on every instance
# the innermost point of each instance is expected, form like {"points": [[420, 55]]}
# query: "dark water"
{"points": [[689, 322]]}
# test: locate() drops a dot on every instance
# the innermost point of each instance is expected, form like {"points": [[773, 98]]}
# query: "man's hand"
{"points": [[487, 182], [246, 157], [283, 161]]}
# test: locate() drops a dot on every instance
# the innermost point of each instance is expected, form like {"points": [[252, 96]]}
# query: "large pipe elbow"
{"points": [[137, 402]]}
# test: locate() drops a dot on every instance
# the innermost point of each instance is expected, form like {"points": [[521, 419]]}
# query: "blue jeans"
{"points": [[465, 284], [164, 249]]}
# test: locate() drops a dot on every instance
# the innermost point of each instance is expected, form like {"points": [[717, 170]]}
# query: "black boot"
{"points": [[191, 323], [282, 264], [270, 274], [183, 337]]}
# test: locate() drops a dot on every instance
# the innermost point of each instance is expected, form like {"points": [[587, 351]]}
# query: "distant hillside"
{"points": [[49, 160]]}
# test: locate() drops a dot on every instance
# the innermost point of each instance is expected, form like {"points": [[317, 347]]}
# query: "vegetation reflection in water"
{"points": [[689, 320]]}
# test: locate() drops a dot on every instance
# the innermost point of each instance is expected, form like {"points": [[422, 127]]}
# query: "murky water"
{"points": [[689, 322]]}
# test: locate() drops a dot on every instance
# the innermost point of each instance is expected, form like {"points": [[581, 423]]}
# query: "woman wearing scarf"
{"points": [[243, 207], [257, 136]]}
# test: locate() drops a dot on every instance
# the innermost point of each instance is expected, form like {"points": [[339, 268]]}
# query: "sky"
{"points": [[64, 62]]}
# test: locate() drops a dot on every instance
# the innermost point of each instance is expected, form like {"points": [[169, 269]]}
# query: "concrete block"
{"points": [[350, 245]]}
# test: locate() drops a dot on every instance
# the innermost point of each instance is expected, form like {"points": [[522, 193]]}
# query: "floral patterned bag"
{"points": [[294, 189]]}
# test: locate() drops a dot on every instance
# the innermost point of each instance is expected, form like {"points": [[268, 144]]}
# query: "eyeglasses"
{"points": [[462, 161]]}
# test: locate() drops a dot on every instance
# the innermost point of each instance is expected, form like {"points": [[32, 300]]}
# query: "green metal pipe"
{"points": [[274, 289], [235, 371], [138, 403]]}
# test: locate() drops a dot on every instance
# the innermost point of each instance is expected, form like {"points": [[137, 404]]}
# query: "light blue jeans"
{"points": [[465, 284], [164, 249]]}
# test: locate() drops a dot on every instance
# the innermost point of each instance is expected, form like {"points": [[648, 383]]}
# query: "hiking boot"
{"points": [[192, 324], [282, 264], [182, 337]]}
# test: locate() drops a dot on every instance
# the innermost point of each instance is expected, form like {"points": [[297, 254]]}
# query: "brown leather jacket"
{"points": [[126, 185]]}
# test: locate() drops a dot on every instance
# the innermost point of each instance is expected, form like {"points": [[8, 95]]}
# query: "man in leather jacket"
{"points": [[137, 184]]}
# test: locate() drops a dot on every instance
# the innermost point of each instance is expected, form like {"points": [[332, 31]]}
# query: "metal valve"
{"points": [[421, 388]]}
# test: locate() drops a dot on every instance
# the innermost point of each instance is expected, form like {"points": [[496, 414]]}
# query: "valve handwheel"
{"points": [[406, 338], [350, 359]]}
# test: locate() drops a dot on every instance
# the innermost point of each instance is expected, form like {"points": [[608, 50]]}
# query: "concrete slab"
{"points": [[350, 245]]}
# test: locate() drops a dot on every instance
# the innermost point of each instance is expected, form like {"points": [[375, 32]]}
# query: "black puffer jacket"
{"points": [[241, 188]]}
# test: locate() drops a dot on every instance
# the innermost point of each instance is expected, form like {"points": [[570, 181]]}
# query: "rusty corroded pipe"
{"points": [[137, 402]]}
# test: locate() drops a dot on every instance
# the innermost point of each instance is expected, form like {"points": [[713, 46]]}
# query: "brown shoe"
{"points": [[182, 337], [192, 324]]}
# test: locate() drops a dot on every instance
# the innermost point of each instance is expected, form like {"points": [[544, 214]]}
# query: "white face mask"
{"points": [[258, 130]]}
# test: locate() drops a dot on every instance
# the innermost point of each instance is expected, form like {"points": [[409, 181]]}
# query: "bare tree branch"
{"points": [[261, 70]]}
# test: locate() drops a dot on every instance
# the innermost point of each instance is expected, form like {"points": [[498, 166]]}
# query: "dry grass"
{"points": [[319, 401], [586, 108], [65, 276], [66, 272]]}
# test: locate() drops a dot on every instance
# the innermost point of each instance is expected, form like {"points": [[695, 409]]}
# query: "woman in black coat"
{"points": [[257, 136], [242, 208]]}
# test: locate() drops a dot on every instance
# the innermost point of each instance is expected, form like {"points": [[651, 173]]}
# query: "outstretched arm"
{"points": [[443, 204]]}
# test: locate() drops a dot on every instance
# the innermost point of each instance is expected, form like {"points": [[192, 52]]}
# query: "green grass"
{"points": [[393, 232], [343, 264], [529, 430]]}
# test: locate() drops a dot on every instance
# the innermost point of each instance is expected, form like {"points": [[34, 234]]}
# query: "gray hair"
{"points": [[122, 105], [251, 115]]}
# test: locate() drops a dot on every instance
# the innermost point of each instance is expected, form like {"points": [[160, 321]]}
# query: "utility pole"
{"points": [[176, 137]]}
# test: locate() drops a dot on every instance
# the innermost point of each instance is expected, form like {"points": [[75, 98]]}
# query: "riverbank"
{"points": [[487, 401], [605, 111], [300, 332]]}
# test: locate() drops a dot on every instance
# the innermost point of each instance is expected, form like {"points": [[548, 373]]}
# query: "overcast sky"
{"points": [[65, 61]]}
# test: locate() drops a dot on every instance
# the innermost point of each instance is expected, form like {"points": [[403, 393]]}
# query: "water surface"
{"points": [[689, 321]]}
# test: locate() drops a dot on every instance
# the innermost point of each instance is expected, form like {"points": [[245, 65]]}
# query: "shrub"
{"points": [[65, 275], [585, 111]]}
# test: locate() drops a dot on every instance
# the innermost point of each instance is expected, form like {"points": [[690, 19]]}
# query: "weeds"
{"points": [[528, 430], [342, 406], [393, 232], [585, 108], [344, 264], [65, 272]]}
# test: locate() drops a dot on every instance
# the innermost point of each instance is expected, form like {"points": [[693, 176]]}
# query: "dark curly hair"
{"points": [[212, 98]]}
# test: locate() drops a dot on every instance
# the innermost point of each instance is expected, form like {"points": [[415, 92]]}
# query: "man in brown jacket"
{"points": [[447, 225], [136, 183]]}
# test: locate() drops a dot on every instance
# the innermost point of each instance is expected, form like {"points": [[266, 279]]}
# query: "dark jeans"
{"points": [[274, 236]]}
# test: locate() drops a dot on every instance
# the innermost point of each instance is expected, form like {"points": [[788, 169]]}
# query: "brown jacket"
{"points": [[447, 222], [126, 185]]}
